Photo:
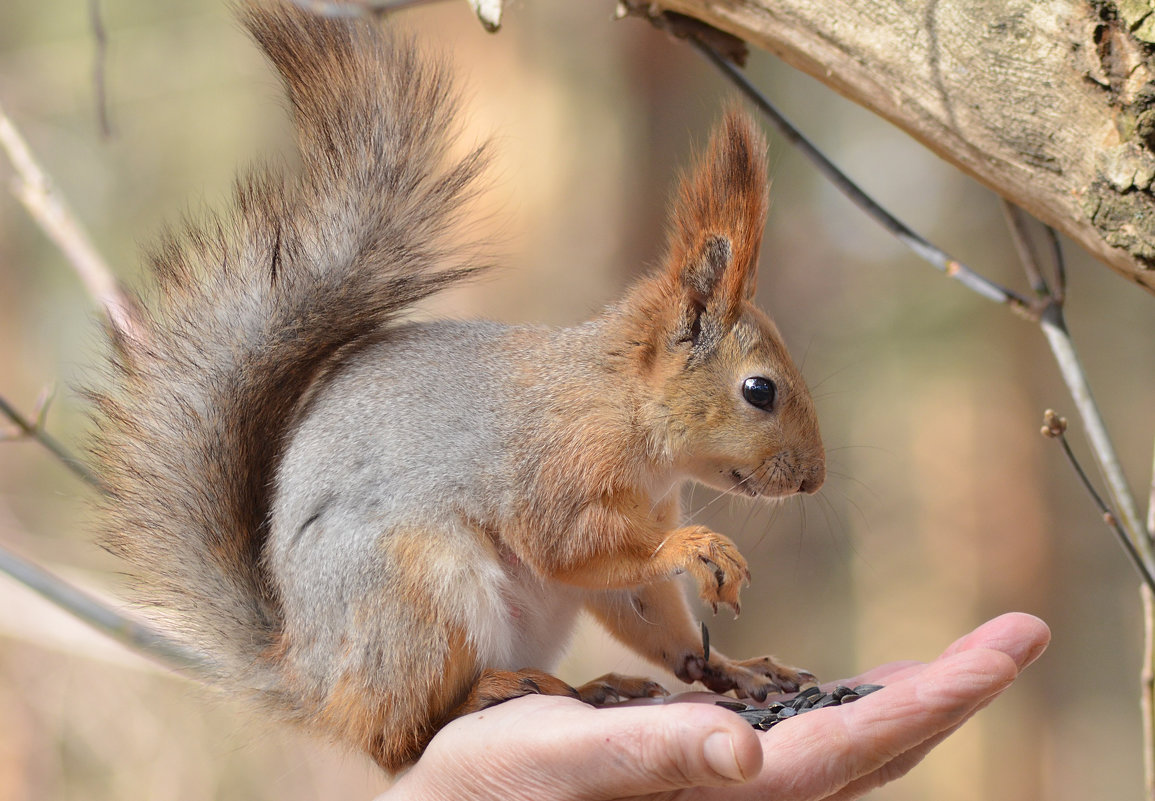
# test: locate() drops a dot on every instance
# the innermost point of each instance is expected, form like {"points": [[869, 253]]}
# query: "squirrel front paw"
{"points": [[714, 562], [749, 678]]}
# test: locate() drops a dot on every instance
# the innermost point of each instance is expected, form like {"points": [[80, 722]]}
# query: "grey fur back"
{"points": [[257, 304]]}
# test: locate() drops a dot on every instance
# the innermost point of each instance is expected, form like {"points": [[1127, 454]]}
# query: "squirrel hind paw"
{"points": [[616, 687]]}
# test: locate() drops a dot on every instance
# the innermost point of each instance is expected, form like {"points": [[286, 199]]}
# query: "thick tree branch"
{"points": [[1050, 103]]}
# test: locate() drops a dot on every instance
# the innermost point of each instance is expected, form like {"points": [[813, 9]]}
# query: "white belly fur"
{"points": [[532, 624]]}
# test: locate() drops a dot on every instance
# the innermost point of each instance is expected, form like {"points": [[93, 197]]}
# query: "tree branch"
{"points": [[35, 430], [38, 195], [1147, 675], [921, 246], [115, 624], [1047, 103], [1055, 427]]}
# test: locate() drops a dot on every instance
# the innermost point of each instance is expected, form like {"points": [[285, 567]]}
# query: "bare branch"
{"points": [[114, 623], [36, 191], [1017, 223], [101, 39], [1059, 338], [36, 431], [1147, 675], [43, 404], [1054, 327], [1147, 691], [1055, 427], [357, 8], [1038, 134], [1059, 293], [924, 249], [1151, 505]]}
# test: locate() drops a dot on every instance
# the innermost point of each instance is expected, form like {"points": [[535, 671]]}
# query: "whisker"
{"points": [[657, 501], [858, 447], [853, 479], [846, 542], [661, 545], [829, 376], [719, 496]]}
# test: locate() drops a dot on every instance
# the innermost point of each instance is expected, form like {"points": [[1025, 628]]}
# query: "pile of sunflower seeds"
{"points": [[762, 718]]}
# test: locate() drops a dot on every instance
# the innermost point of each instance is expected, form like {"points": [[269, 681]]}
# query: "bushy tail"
{"points": [[255, 305]]}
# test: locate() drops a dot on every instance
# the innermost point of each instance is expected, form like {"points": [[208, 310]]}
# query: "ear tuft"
{"points": [[718, 216]]}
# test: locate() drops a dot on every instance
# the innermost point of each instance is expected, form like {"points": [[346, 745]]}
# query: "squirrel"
{"points": [[374, 525]]}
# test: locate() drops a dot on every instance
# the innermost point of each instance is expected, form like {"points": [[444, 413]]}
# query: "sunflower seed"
{"points": [[762, 718]]}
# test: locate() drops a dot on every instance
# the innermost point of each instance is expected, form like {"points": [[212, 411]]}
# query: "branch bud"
{"points": [[1053, 425]]}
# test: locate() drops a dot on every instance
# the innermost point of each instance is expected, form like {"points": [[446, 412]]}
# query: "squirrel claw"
{"points": [[711, 565], [715, 563]]}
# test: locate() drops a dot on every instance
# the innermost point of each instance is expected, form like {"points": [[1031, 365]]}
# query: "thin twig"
{"points": [[1059, 293], [115, 624], [1059, 338], [1054, 326], [43, 404], [1151, 504], [101, 616], [356, 8], [1055, 427], [1017, 223], [1147, 677], [1147, 691], [49, 209], [101, 40], [925, 250], [36, 431]]}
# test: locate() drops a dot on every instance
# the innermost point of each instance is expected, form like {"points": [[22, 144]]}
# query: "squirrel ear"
{"points": [[702, 275], [718, 217], [700, 283]]}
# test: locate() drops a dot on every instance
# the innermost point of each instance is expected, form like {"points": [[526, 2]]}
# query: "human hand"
{"points": [[544, 748]]}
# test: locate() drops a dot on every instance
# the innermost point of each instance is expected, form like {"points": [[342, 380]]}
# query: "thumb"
{"points": [[639, 750], [542, 748]]}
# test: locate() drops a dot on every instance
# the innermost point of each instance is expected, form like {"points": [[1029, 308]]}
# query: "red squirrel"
{"points": [[371, 525]]}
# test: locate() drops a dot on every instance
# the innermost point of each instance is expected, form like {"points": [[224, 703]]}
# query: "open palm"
{"points": [[541, 748]]}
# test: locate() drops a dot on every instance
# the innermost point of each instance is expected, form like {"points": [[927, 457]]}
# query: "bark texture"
{"points": [[1050, 103]]}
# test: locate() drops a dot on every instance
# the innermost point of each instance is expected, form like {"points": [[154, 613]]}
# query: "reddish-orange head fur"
{"points": [[704, 340]]}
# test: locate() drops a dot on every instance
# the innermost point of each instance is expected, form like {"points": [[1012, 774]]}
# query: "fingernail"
{"points": [[720, 756]]}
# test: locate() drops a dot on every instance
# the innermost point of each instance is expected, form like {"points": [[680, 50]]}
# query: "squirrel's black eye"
{"points": [[760, 392]]}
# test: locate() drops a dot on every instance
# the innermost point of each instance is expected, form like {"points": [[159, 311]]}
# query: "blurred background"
{"points": [[943, 507]]}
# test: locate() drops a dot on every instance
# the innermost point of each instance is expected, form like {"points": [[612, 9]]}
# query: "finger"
{"points": [[903, 763], [884, 674], [584, 753], [1021, 637], [818, 754], [899, 766], [653, 749]]}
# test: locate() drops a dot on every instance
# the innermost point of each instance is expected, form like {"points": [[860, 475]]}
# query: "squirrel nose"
{"points": [[812, 483]]}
